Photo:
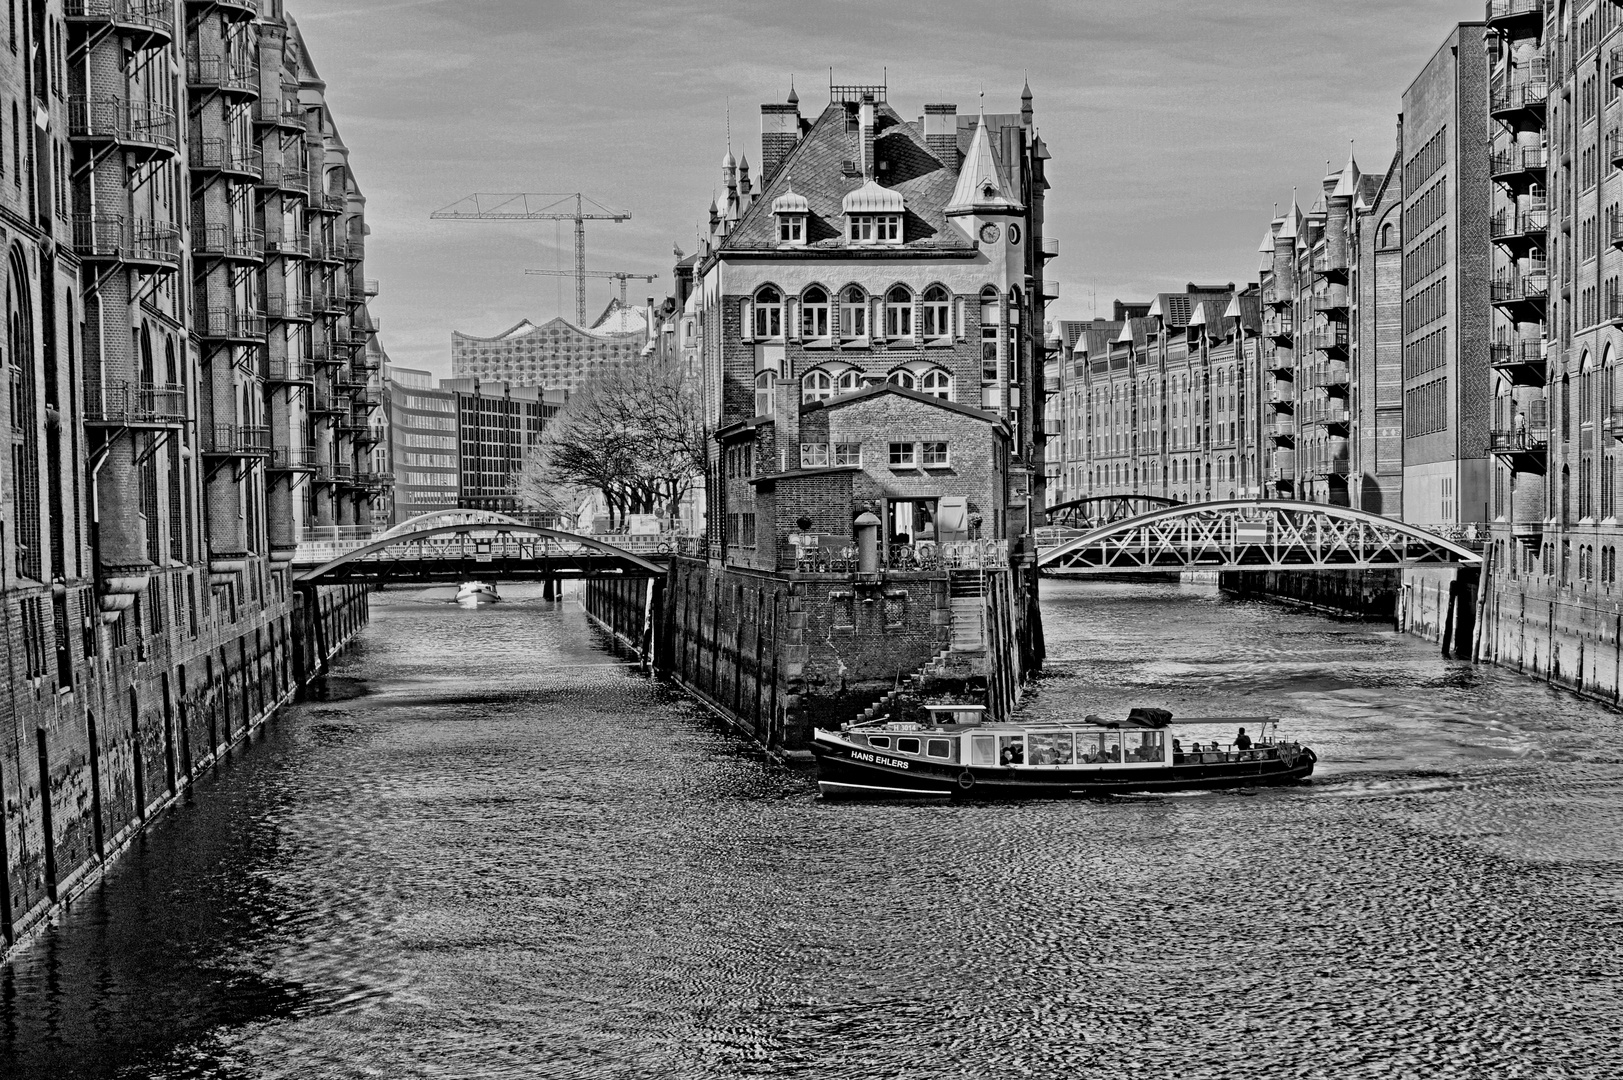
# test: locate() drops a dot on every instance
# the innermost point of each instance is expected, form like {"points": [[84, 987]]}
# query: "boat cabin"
{"points": [[1049, 746]]}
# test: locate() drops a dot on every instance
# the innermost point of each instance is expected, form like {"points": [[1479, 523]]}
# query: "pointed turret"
{"points": [[1025, 105], [980, 182]]}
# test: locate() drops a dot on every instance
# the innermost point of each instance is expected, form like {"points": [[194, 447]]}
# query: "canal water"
{"points": [[496, 851]]}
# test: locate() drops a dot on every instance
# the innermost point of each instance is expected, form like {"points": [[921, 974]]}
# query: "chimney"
{"points": [[865, 125], [780, 130], [941, 133]]}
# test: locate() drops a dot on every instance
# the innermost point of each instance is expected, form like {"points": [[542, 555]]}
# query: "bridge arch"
{"points": [[1255, 534], [500, 530], [449, 516], [1099, 509]]}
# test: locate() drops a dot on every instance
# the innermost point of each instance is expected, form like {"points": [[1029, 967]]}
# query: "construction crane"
{"points": [[529, 206], [618, 275]]}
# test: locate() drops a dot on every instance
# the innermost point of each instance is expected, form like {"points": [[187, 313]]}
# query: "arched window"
{"points": [[816, 386], [853, 313], [764, 397], [937, 383], [937, 312], [849, 381], [899, 313], [769, 313], [903, 378], [989, 326], [1566, 407], [814, 313]]}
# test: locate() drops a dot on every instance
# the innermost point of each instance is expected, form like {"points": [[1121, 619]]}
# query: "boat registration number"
{"points": [[859, 755]]}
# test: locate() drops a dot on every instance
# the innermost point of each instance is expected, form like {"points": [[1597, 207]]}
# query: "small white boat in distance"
{"points": [[476, 594]]}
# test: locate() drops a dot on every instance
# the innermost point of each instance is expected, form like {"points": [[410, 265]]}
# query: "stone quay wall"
{"points": [[104, 726], [779, 655]]}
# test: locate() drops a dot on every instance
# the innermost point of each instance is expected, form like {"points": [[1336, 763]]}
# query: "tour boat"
{"points": [[954, 755], [476, 594]]}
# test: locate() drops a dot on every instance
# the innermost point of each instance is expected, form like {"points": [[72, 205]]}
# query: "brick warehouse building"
{"points": [[870, 326], [189, 388]]}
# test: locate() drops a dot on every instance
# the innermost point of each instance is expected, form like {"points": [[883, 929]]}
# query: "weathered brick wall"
{"points": [[95, 745]]}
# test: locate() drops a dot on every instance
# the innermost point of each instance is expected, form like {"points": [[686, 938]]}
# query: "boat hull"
{"points": [[476, 600], [848, 772]]}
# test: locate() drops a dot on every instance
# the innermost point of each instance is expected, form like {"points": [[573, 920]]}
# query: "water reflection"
{"points": [[495, 851]]}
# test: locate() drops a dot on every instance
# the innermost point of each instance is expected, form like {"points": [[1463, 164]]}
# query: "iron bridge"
{"points": [[1099, 510], [480, 550], [1252, 534]]}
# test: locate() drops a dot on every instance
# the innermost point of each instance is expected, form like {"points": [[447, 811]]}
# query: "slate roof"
{"points": [[816, 168], [901, 391]]}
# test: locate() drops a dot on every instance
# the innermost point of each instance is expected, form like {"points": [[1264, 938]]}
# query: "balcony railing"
{"points": [[146, 20], [1333, 339], [1278, 328], [293, 179], [371, 287], [1518, 441], [297, 245], [228, 241], [1331, 262], [130, 403], [1519, 95], [293, 458], [225, 324], [134, 125], [286, 369], [1518, 160], [1528, 287], [280, 306], [226, 155], [1330, 377], [283, 112], [105, 236], [1504, 10], [1328, 467], [1514, 354], [1505, 224], [211, 70], [237, 440], [1050, 247]]}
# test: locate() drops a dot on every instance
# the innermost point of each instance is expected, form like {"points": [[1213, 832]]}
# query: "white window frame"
{"points": [[939, 310], [852, 313], [924, 454], [911, 456], [814, 455], [767, 315], [765, 394], [940, 375], [813, 312], [791, 229], [903, 378], [899, 315], [850, 452], [816, 385]]}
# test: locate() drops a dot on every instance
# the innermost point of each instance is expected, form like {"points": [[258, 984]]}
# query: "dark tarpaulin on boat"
{"points": [[1150, 718]]}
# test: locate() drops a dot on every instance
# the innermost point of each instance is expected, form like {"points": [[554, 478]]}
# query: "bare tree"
{"points": [[634, 433]]}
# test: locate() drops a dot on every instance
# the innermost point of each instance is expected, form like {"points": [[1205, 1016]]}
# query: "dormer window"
{"points": [[791, 209], [876, 228], [873, 215]]}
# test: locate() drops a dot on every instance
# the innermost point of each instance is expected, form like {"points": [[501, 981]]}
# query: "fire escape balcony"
{"points": [[327, 401], [1520, 104], [235, 243], [145, 24], [1050, 247], [292, 458], [139, 128], [289, 179], [1330, 468], [1334, 417], [279, 307], [1522, 362], [1283, 430], [1331, 305], [335, 472], [1282, 469], [224, 324], [1332, 264], [1524, 450], [127, 403], [1515, 17], [286, 371], [279, 112], [1277, 295], [370, 286], [354, 251], [234, 77], [1331, 339], [351, 423], [328, 203], [239, 9], [368, 398], [1522, 297], [1281, 363], [296, 246], [226, 156], [1279, 402], [237, 440], [1517, 233], [153, 246], [1519, 166], [327, 304], [1332, 379], [1280, 328], [1050, 289], [332, 251]]}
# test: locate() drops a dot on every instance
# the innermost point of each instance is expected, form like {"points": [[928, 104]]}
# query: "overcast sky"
{"points": [[1175, 125]]}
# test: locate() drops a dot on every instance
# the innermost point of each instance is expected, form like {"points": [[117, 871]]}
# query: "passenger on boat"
{"points": [[1242, 741], [1013, 755]]}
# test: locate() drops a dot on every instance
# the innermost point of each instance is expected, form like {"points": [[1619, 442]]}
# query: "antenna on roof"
{"points": [[729, 123]]}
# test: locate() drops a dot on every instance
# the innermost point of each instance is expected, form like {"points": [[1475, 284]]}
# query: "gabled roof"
{"points": [[982, 183], [820, 176]]}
